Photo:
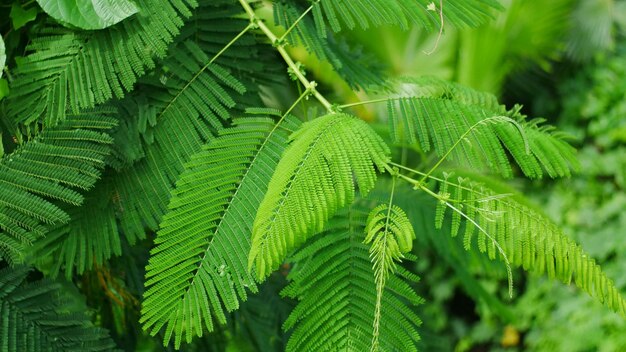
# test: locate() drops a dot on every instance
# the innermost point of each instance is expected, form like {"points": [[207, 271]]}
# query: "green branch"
{"points": [[279, 44]]}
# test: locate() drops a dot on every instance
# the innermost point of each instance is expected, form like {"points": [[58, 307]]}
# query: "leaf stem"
{"points": [[460, 139], [373, 101], [280, 46], [420, 185], [282, 37], [215, 57]]}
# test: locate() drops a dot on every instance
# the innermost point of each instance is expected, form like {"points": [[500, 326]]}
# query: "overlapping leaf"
{"points": [[328, 158]]}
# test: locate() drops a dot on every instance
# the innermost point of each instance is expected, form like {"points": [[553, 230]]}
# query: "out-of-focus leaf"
{"points": [[20, 16], [89, 14], [4, 88], [3, 56]]}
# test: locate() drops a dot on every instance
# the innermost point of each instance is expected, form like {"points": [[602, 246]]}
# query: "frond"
{"points": [[70, 70], [345, 14], [251, 59], [389, 234], [356, 68], [528, 238], [480, 133], [187, 107], [469, 266], [91, 237], [199, 262], [55, 167], [169, 117], [315, 177], [335, 286], [43, 316]]}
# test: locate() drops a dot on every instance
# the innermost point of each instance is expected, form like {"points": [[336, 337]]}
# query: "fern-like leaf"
{"points": [[68, 70], [340, 14], [354, 66], [189, 106], [53, 167], [41, 316], [528, 238], [90, 238], [389, 234], [199, 262], [335, 285], [169, 117], [315, 177], [477, 131]]}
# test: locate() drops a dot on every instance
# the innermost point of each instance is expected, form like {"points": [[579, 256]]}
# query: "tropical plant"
{"points": [[154, 124]]}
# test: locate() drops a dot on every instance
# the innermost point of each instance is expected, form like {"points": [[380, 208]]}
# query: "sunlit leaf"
{"points": [[89, 14]]}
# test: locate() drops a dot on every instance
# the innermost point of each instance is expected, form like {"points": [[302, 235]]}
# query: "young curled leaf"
{"points": [[390, 234]]}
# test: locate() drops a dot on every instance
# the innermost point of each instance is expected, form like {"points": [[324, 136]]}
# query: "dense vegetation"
{"points": [[173, 177]]}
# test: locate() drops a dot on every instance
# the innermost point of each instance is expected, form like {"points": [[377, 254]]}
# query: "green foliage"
{"points": [[41, 316], [334, 284], [69, 70], [477, 131], [94, 14], [51, 168], [390, 234], [343, 14], [237, 203], [503, 227], [314, 179], [216, 188], [591, 209]]}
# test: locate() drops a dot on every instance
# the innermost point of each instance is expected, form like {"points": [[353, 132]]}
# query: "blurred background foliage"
{"points": [[564, 60]]}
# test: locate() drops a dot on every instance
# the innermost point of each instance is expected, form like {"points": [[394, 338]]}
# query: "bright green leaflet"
{"points": [[89, 14]]}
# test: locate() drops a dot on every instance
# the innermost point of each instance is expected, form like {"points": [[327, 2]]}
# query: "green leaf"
{"points": [[336, 289], [202, 246], [327, 160], [93, 14], [44, 315], [20, 16]]}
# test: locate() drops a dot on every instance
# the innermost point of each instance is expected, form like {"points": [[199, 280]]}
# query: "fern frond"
{"points": [[69, 71], [344, 14], [528, 238], [315, 177], [334, 283], [53, 167], [213, 26], [189, 106], [389, 234], [91, 237], [474, 130], [357, 68], [42, 316], [199, 262], [171, 115]]}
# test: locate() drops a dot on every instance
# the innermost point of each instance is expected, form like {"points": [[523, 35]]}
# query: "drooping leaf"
{"points": [[89, 14], [503, 224], [318, 174], [335, 286]]}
